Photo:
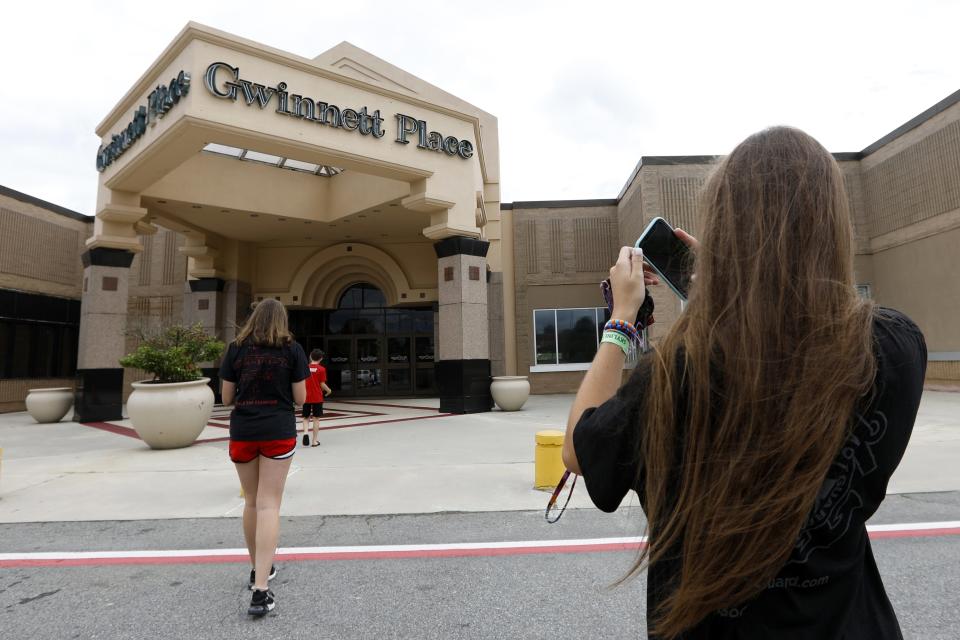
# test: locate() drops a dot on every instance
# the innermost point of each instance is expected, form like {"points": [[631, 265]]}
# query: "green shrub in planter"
{"points": [[173, 355]]}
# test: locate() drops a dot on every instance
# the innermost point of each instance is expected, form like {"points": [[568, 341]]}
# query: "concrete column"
{"points": [[220, 306], [103, 326], [463, 371]]}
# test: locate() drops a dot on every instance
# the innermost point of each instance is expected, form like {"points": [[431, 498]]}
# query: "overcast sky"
{"points": [[581, 89]]}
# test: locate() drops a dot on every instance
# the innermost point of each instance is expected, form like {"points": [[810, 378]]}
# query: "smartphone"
{"points": [[667, 254]]}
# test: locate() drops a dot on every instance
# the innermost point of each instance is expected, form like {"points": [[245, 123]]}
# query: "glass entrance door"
{"points": [[340, 369], [371, 349], [369, 366]]}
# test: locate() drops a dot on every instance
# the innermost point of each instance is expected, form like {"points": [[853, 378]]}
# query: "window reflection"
{"points": [[398, 350], [546, 336], [425, 349], [576, 335]]}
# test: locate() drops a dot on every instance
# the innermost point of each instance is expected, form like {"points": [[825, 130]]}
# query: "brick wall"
{"points": [[561, 255]]}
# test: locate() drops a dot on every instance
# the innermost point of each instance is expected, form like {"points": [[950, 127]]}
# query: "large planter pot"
{"points": [[49, 405], [170, 415], [510, 392]]}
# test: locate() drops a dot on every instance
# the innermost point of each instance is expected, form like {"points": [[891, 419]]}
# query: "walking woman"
{"points": [[263, 376], [761, 432]]}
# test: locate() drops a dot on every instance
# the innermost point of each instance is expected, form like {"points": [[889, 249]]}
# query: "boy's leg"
{"points": [[316, 414], [306, 425]]}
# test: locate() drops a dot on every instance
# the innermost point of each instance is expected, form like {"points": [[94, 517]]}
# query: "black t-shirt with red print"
{"points": [[263, 406]]}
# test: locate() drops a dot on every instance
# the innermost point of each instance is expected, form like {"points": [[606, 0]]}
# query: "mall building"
{"points": [[368, 202]]}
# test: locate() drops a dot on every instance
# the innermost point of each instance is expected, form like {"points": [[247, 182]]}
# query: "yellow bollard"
{"points": [[548, 462]]}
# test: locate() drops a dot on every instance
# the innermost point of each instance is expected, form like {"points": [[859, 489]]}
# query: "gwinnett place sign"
{"points": [[159, 102], [224, 81]]}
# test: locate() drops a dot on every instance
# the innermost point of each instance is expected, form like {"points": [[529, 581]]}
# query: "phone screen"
{"points": [[668, 255]]}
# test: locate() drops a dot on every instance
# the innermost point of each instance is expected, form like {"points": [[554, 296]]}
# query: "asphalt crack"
{"points": [[37, 597]]}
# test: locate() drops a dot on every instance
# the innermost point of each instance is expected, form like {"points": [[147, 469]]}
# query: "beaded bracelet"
{"points": [[624, 327], [617, 338]]}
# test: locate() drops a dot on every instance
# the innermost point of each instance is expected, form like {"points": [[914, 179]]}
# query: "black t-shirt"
{"points": [[264, 407], [830, 587]]}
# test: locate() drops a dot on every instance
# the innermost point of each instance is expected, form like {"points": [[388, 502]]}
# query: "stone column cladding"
{"points": [[220, 306], [103, 326], [497, 328], [463, 370]]}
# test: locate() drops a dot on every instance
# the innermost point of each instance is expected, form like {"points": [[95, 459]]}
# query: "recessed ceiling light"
{"points": [[224, 210], [282, 219], [307, 222], [362, 215], [394, 205], [161, 202], [376, 210], [196, 206], [254, 215]]}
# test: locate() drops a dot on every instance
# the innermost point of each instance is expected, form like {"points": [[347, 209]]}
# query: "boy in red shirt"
{"points": [[316, 389]]}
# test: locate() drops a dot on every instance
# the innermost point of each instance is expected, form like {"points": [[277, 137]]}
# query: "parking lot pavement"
{"points": [[407, 458], [509, 589]]}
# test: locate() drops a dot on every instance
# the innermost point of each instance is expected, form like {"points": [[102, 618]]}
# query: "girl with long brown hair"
{"points": [[263, 376], [761, 431]]}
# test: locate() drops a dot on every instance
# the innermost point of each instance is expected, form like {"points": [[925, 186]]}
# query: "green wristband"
{"points": [[617, 338]]}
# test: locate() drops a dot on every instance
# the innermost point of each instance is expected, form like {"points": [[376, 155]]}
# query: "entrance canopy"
{"points": [[239, 146]]}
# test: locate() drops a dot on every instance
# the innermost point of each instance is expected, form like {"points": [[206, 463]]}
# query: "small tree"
{"points": [[173, 355]]}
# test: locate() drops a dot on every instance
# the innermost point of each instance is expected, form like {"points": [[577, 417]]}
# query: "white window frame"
{"points": [[572, 366]]}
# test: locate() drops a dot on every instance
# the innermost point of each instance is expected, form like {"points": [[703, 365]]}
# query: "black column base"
{"points": [[214, 374], [98, 395], [464, 386]]}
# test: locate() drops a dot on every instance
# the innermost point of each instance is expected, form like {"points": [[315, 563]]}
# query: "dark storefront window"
{"points": [[567, 336], [38, 335]]}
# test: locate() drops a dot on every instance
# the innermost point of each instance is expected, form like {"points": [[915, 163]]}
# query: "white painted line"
{"points": [[914, 526], [916, 529], [390, 548]]}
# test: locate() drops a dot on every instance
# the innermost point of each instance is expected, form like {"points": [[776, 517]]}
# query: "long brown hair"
{"points": [[267, 325], [753, 389]]}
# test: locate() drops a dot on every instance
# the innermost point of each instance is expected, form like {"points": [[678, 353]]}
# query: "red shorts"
{"points": [[242, 451]]}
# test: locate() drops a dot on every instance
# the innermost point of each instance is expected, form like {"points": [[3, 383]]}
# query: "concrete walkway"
{"points": [[376, 457]]}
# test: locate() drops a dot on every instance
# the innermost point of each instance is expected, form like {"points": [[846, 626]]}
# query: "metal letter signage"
{"points": [[223, 81], [159, 102]]}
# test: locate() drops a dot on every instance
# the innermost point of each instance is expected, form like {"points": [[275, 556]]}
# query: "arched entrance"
{"points": [[371, 349]]}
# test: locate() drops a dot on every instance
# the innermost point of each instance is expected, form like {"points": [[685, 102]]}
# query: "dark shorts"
{"points": [[314, 409], [242, 451]]}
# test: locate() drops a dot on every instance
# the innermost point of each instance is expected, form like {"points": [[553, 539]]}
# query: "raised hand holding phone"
{"points": [[628, 280], [669, 252]]}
